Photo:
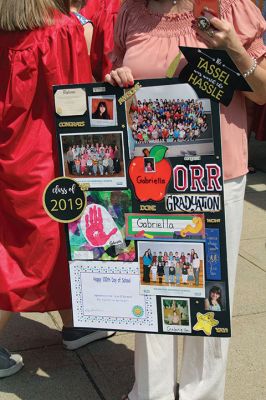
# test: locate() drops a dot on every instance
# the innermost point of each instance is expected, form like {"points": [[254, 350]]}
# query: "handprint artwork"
{"points": [[99, 228], [94, 227]]}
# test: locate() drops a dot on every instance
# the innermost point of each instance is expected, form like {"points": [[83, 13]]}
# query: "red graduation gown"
{"points": [[103, 14], [33, 264]]}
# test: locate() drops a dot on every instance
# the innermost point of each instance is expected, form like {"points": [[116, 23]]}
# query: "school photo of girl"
{"points": [[215, 296]]}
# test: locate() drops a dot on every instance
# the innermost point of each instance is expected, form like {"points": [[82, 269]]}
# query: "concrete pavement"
{"points": [[104, 370]]}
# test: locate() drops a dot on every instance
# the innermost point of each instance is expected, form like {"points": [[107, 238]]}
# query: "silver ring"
{"points": [[210, 32], [203, 23]]}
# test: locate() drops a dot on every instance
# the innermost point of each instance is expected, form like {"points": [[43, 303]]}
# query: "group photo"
{"points": [[171, 115], [94, 155], [175, 265]]}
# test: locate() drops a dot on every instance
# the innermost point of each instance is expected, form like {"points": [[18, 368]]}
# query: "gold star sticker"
{"points": [[205, 323], [123, 126]]}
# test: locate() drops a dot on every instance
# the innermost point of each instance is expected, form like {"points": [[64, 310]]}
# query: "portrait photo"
{"points": [[102, 110]]}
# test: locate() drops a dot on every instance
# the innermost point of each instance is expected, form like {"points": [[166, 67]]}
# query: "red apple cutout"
{"points": [[151, 185]]}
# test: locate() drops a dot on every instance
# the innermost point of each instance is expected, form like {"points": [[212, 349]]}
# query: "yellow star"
{"points": [[205, 323], [123, 126]]}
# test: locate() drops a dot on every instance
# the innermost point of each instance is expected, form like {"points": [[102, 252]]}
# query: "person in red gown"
{"points": [[103, 15], [40, 46]]}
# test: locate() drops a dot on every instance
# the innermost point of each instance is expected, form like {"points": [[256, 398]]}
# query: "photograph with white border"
{"points": [[176, 315], [172, 268], [96, 158], [102, 110], [171, 115]]}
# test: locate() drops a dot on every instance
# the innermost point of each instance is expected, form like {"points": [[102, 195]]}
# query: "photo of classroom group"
{"points": [[183, 269], [97, 155], [168, 120]]}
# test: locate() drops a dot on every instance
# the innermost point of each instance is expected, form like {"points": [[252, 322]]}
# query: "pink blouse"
{"points": [[147, 42]]}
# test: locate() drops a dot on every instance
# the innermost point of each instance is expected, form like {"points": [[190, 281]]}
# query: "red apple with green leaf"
{"points": [[151, 185]]}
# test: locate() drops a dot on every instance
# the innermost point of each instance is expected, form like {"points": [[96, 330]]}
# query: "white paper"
{"points": [[105, 295], [70, 102]]}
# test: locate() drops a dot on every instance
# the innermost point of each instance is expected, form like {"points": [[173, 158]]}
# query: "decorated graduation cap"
{"points": [[212, 73]]}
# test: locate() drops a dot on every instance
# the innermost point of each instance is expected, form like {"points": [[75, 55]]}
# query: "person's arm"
{"points": [[88, 32], [225, 37]]}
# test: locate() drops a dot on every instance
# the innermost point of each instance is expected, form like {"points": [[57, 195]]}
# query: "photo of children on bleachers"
{"points": [[165, 116]]}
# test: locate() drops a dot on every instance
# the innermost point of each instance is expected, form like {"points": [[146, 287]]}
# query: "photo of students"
{"points": [[98, 155], [158, 116], [172, 266]]}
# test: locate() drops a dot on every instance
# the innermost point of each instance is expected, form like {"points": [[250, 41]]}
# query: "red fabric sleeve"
{"points": [[103, 14]]}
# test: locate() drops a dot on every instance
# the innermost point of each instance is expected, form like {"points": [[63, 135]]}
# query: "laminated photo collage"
{"points": [[148, 253]]}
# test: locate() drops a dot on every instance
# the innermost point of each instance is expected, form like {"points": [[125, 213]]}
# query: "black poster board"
{"points": [[148, 253]]}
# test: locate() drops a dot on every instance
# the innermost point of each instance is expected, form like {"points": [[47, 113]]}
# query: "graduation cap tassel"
{"points": [[173, 66]]}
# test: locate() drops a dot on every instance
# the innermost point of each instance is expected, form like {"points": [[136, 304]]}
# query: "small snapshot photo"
{"points": [[215, 299], [94, 158], [176, 315], [172, 268], [149, 164], [103, 111], [171, 115]]}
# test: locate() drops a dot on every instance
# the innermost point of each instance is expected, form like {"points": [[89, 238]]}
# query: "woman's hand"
{"points": [[220, 35], [120, 77]]}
